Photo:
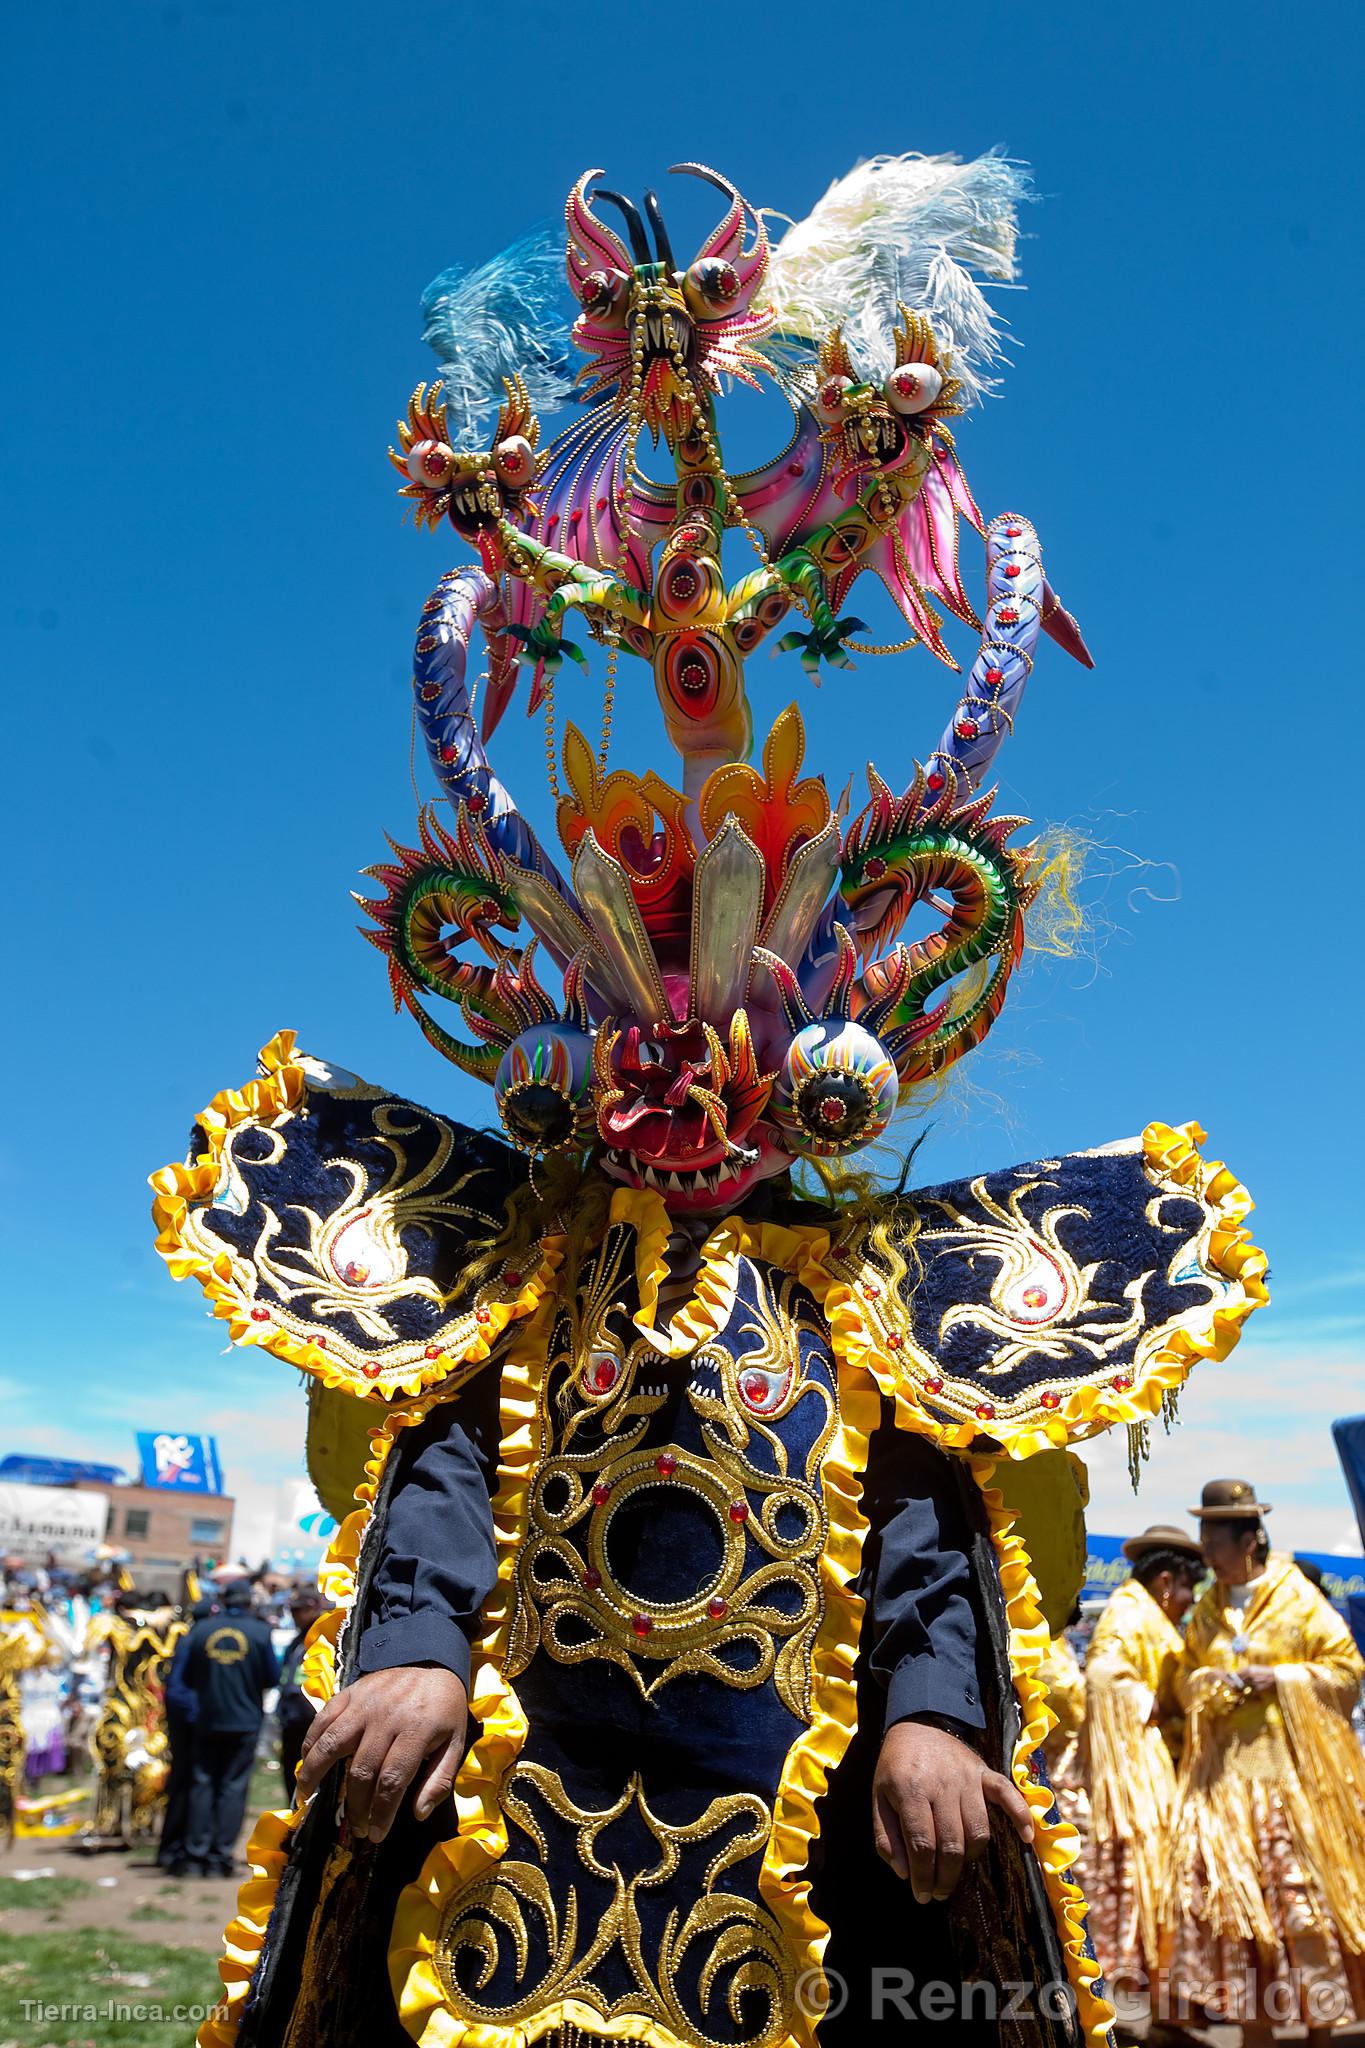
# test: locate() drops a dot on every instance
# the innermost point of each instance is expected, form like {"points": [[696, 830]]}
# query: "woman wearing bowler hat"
{"points": [[1267, 1889]]}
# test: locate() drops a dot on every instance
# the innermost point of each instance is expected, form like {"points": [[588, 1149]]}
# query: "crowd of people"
{"points": [[1206, 1755], [199, 1675]]}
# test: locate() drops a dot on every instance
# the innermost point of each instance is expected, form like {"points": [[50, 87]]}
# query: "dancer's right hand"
{"points": [[400, 1728]]}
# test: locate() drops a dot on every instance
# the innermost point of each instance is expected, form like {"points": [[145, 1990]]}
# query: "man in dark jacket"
{"points": [[229, 1666]]}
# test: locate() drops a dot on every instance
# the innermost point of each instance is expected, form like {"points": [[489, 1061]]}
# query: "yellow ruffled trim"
{"points": [[178, 1190], [1086, 1410], [714, 1288], [1056, 1843], [482, 1838], [267, 1853]]}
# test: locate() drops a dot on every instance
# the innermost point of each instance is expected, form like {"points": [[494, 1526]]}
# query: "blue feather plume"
{"points": [[505, 317]]}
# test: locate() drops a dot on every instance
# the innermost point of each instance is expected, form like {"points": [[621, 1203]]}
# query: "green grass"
{"points": [[150, 1913], [31, 1895], [81, 1971]]}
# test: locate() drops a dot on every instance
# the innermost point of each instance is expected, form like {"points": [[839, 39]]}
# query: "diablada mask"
{"points": [[734, 992]]}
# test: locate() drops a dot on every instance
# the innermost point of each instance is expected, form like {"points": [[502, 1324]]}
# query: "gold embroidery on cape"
{"points": [[734, 1627], [558, 1953]]}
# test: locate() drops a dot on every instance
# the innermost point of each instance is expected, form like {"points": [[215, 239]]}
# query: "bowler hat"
{"points": [[1230, 1500], [1161, 1536]]}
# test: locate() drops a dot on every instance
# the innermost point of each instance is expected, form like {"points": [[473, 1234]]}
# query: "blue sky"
{"points": [[222, 219]]}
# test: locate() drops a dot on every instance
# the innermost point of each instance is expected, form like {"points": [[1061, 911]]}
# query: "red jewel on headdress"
{"points": [[601, 1493], [433, 1351], [447, 754], [739, 1511], [717, 1607], [894, 1341], [874, 869], [477, 801], [592, 1578], [1011, 569], [1007, 618], [985, 1412], [372, 1372], [994, 676], [1123, 1382], [481, 1315], [665, 1465], [430, 692], [641, 1624], [872, 1291], [934, 781], [966, 728], [1035, 1297], [933, 1385], [321, 1343], [1050, 1400], [1013, 532], [260, 1315], [511, 1279]]}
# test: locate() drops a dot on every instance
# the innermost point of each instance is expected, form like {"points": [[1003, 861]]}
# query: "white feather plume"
{"points": [[911, 229]]}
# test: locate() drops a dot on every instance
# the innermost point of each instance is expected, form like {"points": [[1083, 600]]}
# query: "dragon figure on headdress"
{"points": [[653, 1437]]}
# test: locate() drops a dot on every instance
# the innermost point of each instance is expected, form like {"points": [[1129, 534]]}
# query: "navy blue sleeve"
{"points": [[268, 1664], [181, 1697], [438, 1563], [920, 1632]]}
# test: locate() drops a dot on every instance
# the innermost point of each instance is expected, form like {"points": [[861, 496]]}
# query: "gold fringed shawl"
{"points": [[1129, 1673], [1297, 1741]]}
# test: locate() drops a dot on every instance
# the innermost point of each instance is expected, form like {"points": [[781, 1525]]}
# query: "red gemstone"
{"points": [[874, 869], [603, 1375], [1050, 1400], [601, 1493], [985, 1412], [665, 1465], [894, 1341], [716, 1607], [430, 692], [1011, 569], [477, 801], [1007, 618], [933, 1385], [592, 1578], [433, 1351], [1013, 532], [641, 1624], [601, 504], [481, 1315], [260, 1315], [872, 1291], [966, 728], [447, 754], [934, 781], [795, 468], [372, 1372], [739, 1511], [512, 1279], [321, 1343], [1035, 1297], [994, 676], [1123, 1382]]}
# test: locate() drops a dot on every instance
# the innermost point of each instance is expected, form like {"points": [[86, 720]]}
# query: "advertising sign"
{"points": [[179, 1464], [41, 1521]]}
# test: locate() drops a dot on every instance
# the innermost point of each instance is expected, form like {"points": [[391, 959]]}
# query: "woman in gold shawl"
{"points": [[1267, 1894], [1132, 1737]]}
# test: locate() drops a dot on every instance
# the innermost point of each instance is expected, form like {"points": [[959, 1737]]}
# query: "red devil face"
{"points": [[678, 1110], [654, 331]]}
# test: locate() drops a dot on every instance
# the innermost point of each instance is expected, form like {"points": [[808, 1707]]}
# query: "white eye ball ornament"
{"points": [[837, 1090], [913, 387], [543, 1090]]}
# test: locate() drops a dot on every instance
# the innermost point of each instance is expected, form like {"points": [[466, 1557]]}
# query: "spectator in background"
{"points": [[293, 1711], [229, 1666], [1268, 1847], [182, 1706], [1131, 1730]]}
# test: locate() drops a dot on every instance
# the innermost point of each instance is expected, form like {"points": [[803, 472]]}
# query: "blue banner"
{"points": [[1343, 1578], [179, 1464], [55, 1471]]}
